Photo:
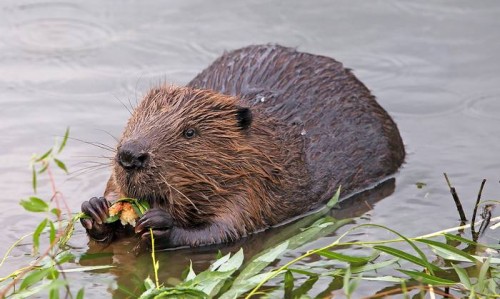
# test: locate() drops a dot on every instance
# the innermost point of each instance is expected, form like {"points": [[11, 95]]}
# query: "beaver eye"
{"points": [[189, 133]]}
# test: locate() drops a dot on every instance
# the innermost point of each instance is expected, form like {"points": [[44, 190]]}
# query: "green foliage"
{"points": [[37, 233], [45, 274], [297, 280], [61, 165], [405, 256], [35, 204]]}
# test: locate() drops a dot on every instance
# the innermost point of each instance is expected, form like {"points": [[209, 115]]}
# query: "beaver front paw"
{"points": [[96, 226], [160, 221]]}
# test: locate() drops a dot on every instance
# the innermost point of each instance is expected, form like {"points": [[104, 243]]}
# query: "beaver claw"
{"points": [[157, 219], [160, 222], [96, 226]]}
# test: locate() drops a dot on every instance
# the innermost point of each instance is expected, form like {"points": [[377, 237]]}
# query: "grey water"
{"points": [[434, 65]]}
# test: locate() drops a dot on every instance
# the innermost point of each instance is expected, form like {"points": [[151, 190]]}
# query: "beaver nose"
{"points": [[132, 156]]}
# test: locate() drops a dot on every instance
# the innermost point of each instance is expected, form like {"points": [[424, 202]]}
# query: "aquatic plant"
{"points": [[444, 263], [228, 278], [45, 272]]}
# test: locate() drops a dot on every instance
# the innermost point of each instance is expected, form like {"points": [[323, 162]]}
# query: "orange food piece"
{"points": [[126, 212], [116, 208], [128, 215]]}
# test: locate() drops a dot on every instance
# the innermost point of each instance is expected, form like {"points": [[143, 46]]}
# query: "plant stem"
{"points": [[474, 235], [454, 194], [153, 257]]}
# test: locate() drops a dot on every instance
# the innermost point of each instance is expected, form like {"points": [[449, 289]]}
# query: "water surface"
{"points": [[432, 64]]}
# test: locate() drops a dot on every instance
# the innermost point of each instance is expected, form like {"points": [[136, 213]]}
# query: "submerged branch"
{"points": [[458, 204]]}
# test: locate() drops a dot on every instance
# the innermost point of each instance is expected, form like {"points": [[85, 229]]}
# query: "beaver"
{"points": [[264, 134]]}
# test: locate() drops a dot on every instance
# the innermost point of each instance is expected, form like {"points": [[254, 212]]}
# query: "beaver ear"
{"points": [[244, 117]]}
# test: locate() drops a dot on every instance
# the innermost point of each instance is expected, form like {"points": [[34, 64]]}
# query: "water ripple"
{"points": [[39, 28], [484, 106], [50, 35]]}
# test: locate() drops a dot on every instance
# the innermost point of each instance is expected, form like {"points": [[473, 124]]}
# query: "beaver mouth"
{"points": [[139, 184], [144, 192]]}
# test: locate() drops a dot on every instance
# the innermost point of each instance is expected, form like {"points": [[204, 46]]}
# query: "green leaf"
{"points": [[65, 139], [467, 241], [87, 268], [36, 234], [288, 284], [56, 212], [249, 277], [383, 278], [335, 199], [61, 165], [353, 284], [481, 278], [260, 262], [33, 179], [357, 260], [347, 278], [426, 278], [463, 276], [137, 210], [448, 252], [234, 263], [35, 204], [191, 274], [208, 282], [306, 286], [143, 207], [64, 256], [173, 293], [303, 272], [211, 281], [34, 277], [428, 265], [244, 286], [406, 256], [215, 265], [113, 218], [54, 294], [374, 266], [42, 157], [53, 274], [52, 233], [44, 167], [319, 228], [149, 284], [80, 294]]}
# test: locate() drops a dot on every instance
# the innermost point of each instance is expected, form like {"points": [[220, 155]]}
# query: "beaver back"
{"points": [[349, 139]]}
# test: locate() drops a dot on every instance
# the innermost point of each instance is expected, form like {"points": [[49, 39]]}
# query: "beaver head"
{"points": [[197, 154]]}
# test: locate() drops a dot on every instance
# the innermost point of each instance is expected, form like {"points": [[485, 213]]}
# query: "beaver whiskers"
{"points": [[177, 190]]}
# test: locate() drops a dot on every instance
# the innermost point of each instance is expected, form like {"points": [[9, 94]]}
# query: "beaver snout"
{"points": [[132, 156]]}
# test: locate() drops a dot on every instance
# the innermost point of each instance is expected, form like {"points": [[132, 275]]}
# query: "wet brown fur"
{"points": [[314, 127]]}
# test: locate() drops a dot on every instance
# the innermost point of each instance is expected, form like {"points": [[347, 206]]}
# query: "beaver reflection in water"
{"points": [[263, 134]]}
